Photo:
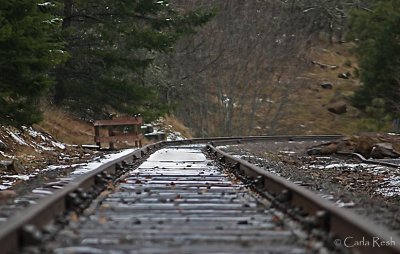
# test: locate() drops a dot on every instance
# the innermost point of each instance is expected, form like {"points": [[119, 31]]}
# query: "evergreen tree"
{"points": [[28, 50], [111, 44], [378, 48]]}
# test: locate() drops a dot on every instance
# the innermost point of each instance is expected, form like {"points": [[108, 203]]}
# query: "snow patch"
{"points": [[19, 177], [390, 188], [95, 164], [16, 138], [82, 168], [175, 136], [58, 145], [5, 185], [31, 131], [352, 166], [45, 4], [6, 155], [56, 167]]}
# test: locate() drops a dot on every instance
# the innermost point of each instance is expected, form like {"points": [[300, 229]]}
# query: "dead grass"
{"points": [[70, 130], [177, 125], [309, 115], [66, 128]]}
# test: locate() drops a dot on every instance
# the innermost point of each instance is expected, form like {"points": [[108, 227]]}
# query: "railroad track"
{"points": [[169, 198]]}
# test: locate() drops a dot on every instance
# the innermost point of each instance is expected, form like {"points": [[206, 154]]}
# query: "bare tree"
{"points": [[236, 76]]}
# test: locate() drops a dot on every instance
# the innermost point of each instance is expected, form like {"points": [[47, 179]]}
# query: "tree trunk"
{"points": [[67, 13], [59, 87]]}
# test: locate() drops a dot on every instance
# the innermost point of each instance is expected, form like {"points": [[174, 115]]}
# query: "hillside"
{"points": [[247, 68], [306, 112], [321, 102], [261, 67], [61, 140], [54, 141]]}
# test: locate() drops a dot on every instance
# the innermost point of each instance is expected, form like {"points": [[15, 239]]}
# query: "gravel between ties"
{"points": [[370, 190]]}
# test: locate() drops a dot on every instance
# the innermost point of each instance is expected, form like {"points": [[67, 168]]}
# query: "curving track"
{"points": [[178, 201]]}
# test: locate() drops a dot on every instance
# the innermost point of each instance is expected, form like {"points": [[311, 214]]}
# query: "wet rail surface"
{"points": [[178, 201], [166, 203]]}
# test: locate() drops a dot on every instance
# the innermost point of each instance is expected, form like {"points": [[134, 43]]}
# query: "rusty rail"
{"points": [[342, 225], [339, 222]]}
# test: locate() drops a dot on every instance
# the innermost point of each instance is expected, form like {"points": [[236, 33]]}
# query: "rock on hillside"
{"points": [[370, 145]]}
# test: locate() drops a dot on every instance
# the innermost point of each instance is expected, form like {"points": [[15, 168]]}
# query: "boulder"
{"points": [[370, 145], [327, 85], [383, 150], [364, 144], [339, 107], [324, 149], [346, 75]]}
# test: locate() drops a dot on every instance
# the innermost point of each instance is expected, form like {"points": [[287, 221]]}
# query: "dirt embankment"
{"points": [[55, 141], [58, 140]]}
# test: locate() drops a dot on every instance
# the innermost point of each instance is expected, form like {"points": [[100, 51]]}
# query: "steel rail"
{"points": [[13, 232], [351, 229]]}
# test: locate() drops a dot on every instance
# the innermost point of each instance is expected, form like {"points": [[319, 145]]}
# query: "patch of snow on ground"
{"points": [[160, 129], [58, 144], [287, 152], [19, 177], [5, 185], [17, 138], [95, 164], [44, 148], [7, 181], [390, 187], [175, 136], [352, 166], [55, 167], [6, 155], [31, 131]]}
